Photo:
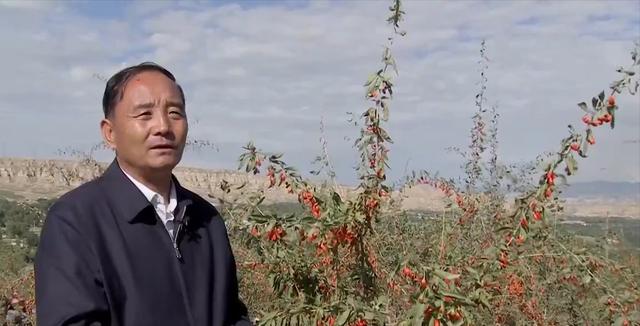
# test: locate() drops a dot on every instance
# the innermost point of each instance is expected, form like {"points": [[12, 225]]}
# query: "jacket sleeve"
{"points": [[68, 286]]}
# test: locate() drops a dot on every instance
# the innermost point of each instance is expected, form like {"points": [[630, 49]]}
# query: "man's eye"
{"points": [[176, 113], [144, 114]]}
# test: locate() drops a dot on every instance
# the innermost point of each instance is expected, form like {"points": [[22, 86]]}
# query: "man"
{"points": [[133, 247]]}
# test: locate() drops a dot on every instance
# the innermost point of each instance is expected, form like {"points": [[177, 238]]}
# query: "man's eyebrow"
{"points": [[145, 105], [178, 104], [151, 105]]}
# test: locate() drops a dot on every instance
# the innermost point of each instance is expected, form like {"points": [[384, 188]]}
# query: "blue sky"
{"points": [[100, 9], [116, 9], [269, 71]]}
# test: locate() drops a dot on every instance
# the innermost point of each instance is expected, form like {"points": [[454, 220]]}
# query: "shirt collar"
{"points": [[152, 196], [129, 199]]}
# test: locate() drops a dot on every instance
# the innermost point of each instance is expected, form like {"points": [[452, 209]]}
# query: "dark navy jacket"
{"points": [[105, 258]]}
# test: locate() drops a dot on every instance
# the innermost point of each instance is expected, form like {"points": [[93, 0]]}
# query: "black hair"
{"points": [[114, 90]]}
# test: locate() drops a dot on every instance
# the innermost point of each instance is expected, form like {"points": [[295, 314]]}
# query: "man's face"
{"points": [[148, 127]]}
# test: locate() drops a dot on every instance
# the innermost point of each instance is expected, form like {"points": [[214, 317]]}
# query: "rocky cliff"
{"points": [[32, 179]]}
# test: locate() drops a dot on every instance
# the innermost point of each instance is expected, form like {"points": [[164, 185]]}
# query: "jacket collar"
{"points": [[130, 200]]}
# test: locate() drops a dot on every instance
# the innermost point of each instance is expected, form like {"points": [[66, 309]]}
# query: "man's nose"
{"points": [[162, 123]]}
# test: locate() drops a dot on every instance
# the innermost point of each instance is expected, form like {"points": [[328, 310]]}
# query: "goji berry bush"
{"points": [[358, 259]]}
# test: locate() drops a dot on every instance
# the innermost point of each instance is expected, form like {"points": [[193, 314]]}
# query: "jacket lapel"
{"points": [[129, 199]]}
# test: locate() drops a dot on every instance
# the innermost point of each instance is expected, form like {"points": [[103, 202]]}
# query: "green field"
{"points": [[627, 230]]}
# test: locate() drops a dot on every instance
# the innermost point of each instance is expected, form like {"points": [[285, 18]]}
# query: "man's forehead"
{"points": [[152, 77], [151, 83]]}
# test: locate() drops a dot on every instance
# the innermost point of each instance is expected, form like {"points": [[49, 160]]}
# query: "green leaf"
{"points": [[369, 315], [472, 271], [417, 314], [385, 110], [454, 295], [384, 135], [619, 321], [344, 317], [562, 177], [371, 78], [484, 301], [603, 299], [336, 199], [269, 316], [584, 107], [613, 119], [275, 157], [386, 53], [572, 165], [446, 275]]}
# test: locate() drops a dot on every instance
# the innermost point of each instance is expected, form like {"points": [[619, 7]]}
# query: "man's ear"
{"points": [[106, 128]]}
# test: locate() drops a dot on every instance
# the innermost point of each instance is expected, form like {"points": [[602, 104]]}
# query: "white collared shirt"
{"points": [[165, 211]]}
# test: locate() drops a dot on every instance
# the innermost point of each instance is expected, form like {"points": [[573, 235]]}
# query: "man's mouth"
{"points": [[162, 146]]}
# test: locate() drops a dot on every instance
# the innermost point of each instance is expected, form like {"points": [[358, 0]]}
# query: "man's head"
{"points": [[145, 119]]}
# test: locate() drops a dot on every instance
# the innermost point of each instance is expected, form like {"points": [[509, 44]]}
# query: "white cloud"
{"points": [[26, 4], [269, 72]]}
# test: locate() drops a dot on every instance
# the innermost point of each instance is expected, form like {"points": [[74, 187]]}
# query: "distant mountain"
{"points": [[602, 189]]}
